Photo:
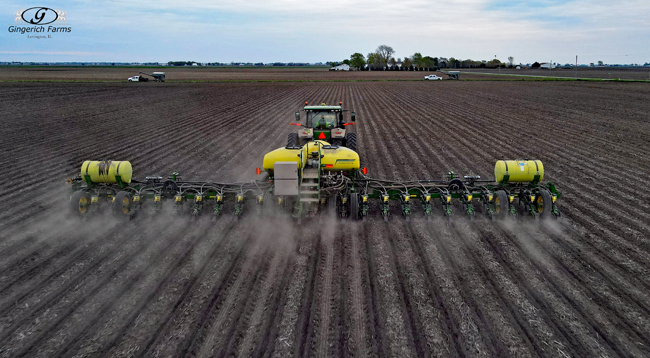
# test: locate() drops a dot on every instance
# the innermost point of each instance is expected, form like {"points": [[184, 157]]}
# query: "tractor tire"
{"points": [[354, 206], [122, 204], [79, 202], [544, 204], [292, 140], [501, 204], [351, 141]]}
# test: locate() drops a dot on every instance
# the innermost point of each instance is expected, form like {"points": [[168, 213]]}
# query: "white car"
{"points": [[432, 78], [138, 79]]}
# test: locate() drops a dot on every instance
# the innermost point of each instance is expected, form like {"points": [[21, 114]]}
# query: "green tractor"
{"points": [[325, 123]]}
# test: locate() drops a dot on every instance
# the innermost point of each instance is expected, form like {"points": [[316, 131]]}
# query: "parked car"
{"points": [[138, 79], [432, 78]]}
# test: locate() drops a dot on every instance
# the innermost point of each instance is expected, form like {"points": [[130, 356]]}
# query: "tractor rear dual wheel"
{"points": [[351, 141], [293, 140]]}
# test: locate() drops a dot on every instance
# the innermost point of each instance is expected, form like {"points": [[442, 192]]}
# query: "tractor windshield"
{"points": [[321, 120]]}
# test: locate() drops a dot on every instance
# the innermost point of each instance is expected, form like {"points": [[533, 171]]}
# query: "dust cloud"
{"points": [[532, 237]]}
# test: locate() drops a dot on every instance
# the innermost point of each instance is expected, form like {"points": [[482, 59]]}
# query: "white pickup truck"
{"points": [[138, 79], [432, 78]]}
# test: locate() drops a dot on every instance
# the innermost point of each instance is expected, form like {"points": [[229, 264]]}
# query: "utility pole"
{"points": [[576, 66]]}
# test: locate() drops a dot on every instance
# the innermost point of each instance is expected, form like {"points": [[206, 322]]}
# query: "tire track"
{"points": [[73, 333], [356, 343], [325, 281], [225, 327], [162, 324], [92, 333], [256, 335], [111, 345], [304, 330], [45, 305], [591, 314], [87, 266], [288, 335]]}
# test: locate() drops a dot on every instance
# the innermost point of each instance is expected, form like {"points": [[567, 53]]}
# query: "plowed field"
{"points": [[168, 287]]}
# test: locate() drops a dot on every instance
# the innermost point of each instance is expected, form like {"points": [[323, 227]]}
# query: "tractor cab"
{"points": [[326, 123], [323, 119]]}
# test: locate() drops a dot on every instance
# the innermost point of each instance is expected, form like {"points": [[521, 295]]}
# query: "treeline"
{"points": [[382, 59], [180, 63], [194, 63]]}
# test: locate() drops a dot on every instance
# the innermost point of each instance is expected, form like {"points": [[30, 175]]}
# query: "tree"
{"points": [[469, 63], [374, 62], [406, 64], [417, 59], [430, 62], [494, 63], [346, 61], [600, 63], [384, 53], [535, 65], [357, 60], [180, 63], [511, 61], [392, 62]]}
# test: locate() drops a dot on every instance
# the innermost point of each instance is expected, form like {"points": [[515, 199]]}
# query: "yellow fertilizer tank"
{"points": [[282, 155], [107, 171], [519, 171], [340, 158], [334, 159]]}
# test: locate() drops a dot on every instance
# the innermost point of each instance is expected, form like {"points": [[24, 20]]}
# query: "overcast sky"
{"points": [[319, 31]]}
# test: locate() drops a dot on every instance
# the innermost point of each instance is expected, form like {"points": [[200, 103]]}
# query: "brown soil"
{"points": [[203, 74], [272, 288], [216, 74], [602, 73]]}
